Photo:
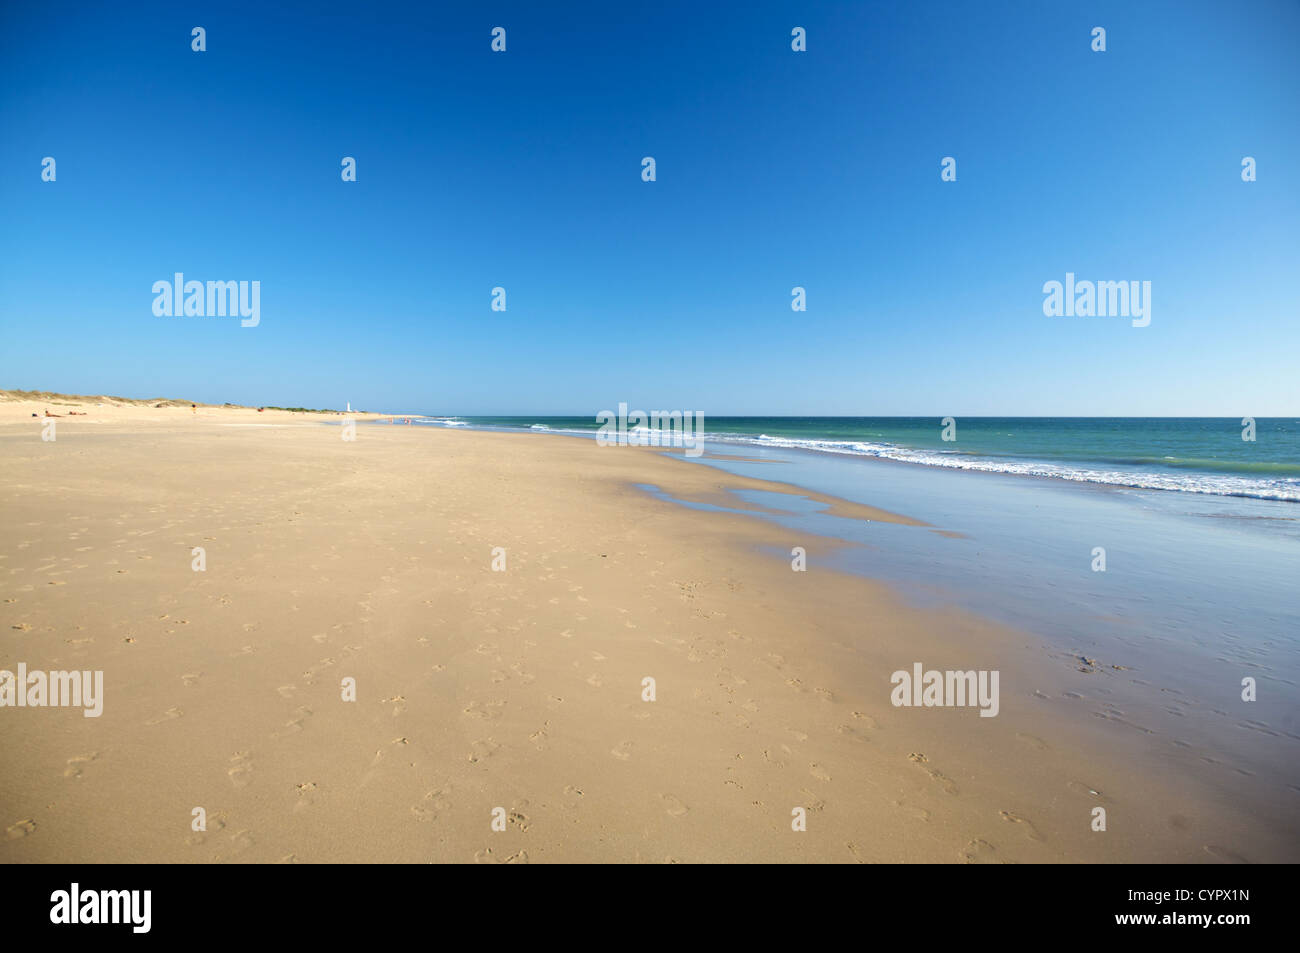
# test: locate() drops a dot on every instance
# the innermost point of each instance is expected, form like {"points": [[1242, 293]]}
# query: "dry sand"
{"points": [[521, 689]]}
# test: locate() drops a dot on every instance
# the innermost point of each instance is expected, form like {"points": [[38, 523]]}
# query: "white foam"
{"points": [[1215, 484]]}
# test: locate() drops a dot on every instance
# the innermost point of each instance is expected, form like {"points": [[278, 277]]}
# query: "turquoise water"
{"points": [[1187, 454]]}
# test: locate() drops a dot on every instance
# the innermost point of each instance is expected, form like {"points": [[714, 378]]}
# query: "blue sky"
{"points": [[775, 169]]}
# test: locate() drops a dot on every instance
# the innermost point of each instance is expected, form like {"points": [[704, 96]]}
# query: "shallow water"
{"points": [[1198, 592]]}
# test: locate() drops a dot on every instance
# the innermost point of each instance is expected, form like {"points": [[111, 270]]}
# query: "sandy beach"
{"points": [[520, 688]]}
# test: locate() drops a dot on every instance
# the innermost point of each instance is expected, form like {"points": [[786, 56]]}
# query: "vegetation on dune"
{"points": [[308, 410], [49, 397]]}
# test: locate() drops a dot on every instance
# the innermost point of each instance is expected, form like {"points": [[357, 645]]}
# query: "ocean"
{"points": [[1204, 455]]}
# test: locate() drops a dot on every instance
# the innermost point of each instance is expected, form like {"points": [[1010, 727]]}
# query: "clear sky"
{"points": [[775, 169]]}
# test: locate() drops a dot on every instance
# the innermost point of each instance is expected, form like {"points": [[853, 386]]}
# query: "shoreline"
{"points": [[523, 688], [986, 460]]}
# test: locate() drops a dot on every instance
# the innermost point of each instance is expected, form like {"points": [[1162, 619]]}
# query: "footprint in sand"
{"points": [[850, 732], [622, 751], [919, 813], [241, 840], [811, 801], [309, 676], [729, 675], [487, 710], [525, 677], [287, 691], [938, 776], [1030, 830], [169, 715], [306, 795], [191, 678], [673, 805], [818, 772], [294, 724], [944, 782], [488, 857], [870, 722], [21, 829], [980, 852], [75, 765], [434, 801], [241, 769], [423, 814], [482, 749]]}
